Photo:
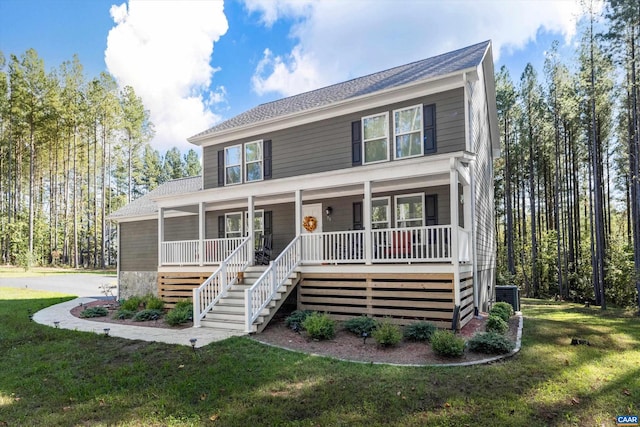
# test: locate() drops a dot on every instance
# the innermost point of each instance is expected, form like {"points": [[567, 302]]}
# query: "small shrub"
{"points": [[124, 314], [360, 325], [420, 331], [496, 324], [387, 334], [506, 306], [147, 314], [445, 343], [319, 326], [94, 312], [152, 302], [490, 343], [500, 311], [131, 304], [181, 313], [297, 318]]}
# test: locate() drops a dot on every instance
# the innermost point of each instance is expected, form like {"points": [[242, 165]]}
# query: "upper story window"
{"points": [[248, 157], [375, 138], [407, 129], [253, 160], [233, 164]]}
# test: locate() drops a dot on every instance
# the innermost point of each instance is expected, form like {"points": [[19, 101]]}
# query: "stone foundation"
{"points": [[137, 283]]}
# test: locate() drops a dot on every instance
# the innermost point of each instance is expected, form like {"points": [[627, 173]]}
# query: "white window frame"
{"points": [[420, 130], [364, 141], [256, 231], [226, 230], [387, 223], [398, 220], [227, 166], [247, 163]]}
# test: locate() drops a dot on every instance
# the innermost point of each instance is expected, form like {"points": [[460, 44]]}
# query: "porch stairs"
{"points": [[229, 312]]}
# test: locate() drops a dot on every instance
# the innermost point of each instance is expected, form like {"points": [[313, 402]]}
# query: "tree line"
{"points": [[567, 184], [72, 151]]}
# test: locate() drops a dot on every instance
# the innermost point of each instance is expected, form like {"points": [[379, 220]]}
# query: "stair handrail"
{"points": [[260, 294], [207, 295]]}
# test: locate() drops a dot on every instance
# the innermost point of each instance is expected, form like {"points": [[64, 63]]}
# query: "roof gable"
{"points": [[444, 64]]}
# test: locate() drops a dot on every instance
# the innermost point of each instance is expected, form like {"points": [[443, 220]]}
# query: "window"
{"points": [[407, 125], [258, 224], [409, 210], [233, 225], [237, 223], [253, 161], [380, 212], [375, 138], [233, 165]]}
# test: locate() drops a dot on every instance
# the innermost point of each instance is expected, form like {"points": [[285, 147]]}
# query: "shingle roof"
{"points": [[145, 204], [440, 65]]}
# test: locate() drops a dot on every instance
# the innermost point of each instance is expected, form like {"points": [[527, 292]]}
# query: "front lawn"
{"points": [[53, 377]]}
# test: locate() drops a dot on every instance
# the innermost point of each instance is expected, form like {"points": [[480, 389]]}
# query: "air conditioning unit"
{"points": [[509, 294]]}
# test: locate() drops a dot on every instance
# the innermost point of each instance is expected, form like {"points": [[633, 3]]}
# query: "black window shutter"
{"points": [[429, 112], [431, 208], [268, 222], [356, 143], [221, 168], [221, 227], [357, 216], [266, 148]]}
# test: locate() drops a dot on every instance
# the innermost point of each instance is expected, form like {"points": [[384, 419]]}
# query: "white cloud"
{"points": [[163, 50], [338, 40]]}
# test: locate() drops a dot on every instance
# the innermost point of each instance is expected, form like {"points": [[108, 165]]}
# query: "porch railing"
{"points": [[215, 287], [389, 245], [258, 296], [186, 252]]}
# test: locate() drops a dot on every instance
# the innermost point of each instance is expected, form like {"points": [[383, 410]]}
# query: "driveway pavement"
{"points": [[81, 285]]}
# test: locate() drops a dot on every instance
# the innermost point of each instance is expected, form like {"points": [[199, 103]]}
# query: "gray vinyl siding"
{"points": [[181, 228], [326, 145], [139, 246]]}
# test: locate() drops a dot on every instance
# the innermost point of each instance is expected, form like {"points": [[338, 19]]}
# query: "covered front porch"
{"points": [[404, 215]]}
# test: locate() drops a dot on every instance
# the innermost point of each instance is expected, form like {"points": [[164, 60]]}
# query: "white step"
{"points": [[224, 324]]}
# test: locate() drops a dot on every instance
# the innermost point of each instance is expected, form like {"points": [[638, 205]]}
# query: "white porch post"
{"points": [[201, 232], [160, 235], [251, 213], [453, 191], [366, 213], [298, 212]]}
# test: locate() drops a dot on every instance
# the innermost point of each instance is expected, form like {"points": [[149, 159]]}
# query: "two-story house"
{"points": [[369, 197]]}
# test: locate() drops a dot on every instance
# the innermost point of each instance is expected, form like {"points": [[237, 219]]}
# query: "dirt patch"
{"points": [[347, 346], [112, 307]]}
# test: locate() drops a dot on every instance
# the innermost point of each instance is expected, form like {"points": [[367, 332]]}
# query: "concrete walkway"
{"points": [[62, 313]]}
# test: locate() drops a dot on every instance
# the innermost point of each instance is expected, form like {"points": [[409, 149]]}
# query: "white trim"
{"points": [[420, 129], [386, 136], [395, 204]]}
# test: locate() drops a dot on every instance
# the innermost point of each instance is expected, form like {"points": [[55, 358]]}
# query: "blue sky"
{"points": [[195, 63]]}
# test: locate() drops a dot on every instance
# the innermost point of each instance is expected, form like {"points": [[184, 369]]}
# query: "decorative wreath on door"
{"points": [[310, 223]]}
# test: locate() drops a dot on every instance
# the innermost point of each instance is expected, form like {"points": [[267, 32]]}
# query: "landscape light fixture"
{"points": [[56, 324], [106, 331], [193, 343], [364, 338]]}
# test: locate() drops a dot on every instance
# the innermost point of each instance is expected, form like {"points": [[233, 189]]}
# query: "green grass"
{"points": [[9, 271], [54, 377]]}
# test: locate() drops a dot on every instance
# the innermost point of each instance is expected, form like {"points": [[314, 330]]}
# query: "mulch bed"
{"points": [[112, 307]]}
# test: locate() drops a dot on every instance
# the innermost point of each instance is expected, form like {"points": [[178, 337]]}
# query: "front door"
{"points": [[311, 229]]}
